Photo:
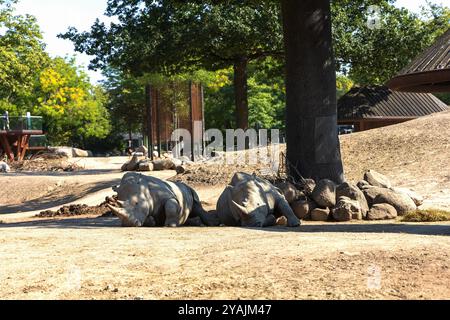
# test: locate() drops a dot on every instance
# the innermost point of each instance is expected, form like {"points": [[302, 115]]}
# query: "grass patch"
{"points": [[431, 215]]}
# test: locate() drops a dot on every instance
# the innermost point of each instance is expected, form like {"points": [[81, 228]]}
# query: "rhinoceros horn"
{"points": [[243, 212], [119, 212]]}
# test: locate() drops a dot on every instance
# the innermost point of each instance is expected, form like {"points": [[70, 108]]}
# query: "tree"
{"points": [[22, 57], [312, 134], [167, 36], [375, 55], [72, 108]]}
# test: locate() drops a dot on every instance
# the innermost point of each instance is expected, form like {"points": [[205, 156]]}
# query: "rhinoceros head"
{"points": [[134, 200], [249, 203]]}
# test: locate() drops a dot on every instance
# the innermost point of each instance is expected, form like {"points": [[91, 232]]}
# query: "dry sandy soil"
{"points": [[93, 258]]}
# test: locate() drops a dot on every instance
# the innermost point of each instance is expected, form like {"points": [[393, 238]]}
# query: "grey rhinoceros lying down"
{"points": [[250, 201], [151, 202]]}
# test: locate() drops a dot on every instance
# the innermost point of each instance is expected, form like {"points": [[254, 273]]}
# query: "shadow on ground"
{"points": [[399, 228], [54, 199]]}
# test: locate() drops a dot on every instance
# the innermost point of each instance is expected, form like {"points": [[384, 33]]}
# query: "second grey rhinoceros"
{"points": [[250, 201], [151, 202]]}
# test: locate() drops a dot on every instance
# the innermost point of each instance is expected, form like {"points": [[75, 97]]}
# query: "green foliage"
{"points": [[22, 57], [374, 56], [31, 81], [72, 108]]}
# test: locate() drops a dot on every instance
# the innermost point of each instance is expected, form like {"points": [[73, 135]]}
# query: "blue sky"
{"points": [[55, 16]]}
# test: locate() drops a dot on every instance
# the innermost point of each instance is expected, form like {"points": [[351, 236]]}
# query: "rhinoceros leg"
{"points": [[283, 208], [172, 209], [208, 219], [270, 221]]}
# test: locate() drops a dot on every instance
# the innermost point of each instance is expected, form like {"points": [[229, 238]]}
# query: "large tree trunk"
{"points": [[240, 92], [312, 132]]}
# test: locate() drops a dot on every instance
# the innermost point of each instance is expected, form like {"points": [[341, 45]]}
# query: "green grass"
{"points": [[431, 215]]}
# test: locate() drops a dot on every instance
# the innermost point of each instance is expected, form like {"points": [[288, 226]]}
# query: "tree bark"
{"points": [[240, 92], [312, 132]]}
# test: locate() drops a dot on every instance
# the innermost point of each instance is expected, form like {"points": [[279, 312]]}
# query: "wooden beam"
{"points": [[5, 145]]}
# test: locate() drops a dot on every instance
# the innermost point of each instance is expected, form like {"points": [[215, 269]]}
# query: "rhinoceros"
{"points": [[250, 201], [150, 202]]}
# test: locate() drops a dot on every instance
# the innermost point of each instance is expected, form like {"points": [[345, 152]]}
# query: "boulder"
{"points": [[417, 198], [400, 201], [289, 191], [382, 211], [143, 150], [320, 214], [347, 210], [325, 194], [145, 166], [354, 193], [303, 208], [371, 193], [377, 179], [62, 151], [4, 168], [181, 169], [165, 164], [133, 164], [309, 185], [79, 153]]}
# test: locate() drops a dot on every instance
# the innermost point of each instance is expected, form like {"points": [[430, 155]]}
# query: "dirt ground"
{"points": [[94, 258]]}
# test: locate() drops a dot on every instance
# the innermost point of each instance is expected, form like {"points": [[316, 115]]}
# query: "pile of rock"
{"points": [[141, 163], [69, 152], [373, 198]]}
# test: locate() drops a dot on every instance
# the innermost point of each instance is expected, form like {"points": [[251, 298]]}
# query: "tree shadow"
{"points": [[54, 199], [394, 228], [113, 222]]}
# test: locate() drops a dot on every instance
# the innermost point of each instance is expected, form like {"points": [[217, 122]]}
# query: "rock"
{"points": [[371, 193], [165, 164], [4, 168], [382, 211], [282, 221], [125, 166], [176, 162], [62, 151], [143, 150], [180, 169], [377, 179], [289, 191], [354, 193], [325, 194], [145, 166], [400, 201], [347, 210], [362, 184], [309, 186], [417, 198], [78, 153], [133, 164], [303, 208], [320, 214]]}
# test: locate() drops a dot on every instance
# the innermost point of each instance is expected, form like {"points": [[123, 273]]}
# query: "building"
{"points": [[373, 107], [429, 72]]}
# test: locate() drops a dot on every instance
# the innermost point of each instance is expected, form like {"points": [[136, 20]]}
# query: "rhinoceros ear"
{"points": [[241, 210]]}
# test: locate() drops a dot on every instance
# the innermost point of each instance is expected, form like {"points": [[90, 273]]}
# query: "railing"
{"points": [[20, 124]]}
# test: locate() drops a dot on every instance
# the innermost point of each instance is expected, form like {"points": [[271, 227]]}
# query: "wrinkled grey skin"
{"points": [[151, 202], [253, 202]]}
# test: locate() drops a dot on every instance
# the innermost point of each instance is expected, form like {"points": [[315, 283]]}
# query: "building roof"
{"points": [[380, 102], [429, 72]]}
